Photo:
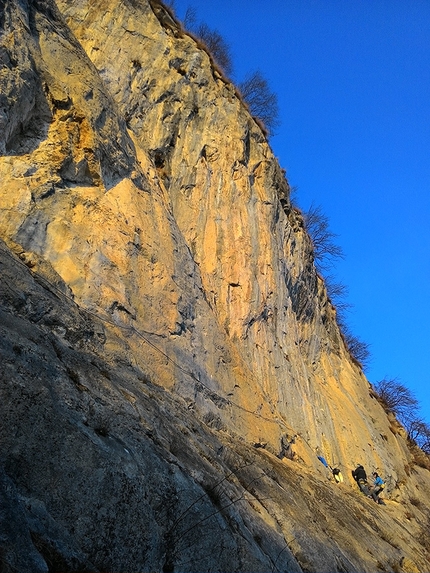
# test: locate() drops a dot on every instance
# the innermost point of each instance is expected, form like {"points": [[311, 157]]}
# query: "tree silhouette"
{"points": [[190, 18], [337, 293], [358, 349], [397, 398], [419, 433], [216, 45], [318, 228], [262, 102]]}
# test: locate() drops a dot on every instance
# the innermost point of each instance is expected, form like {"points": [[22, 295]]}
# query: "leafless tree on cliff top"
{"points": [[325, 248], [262, 102], [217, 46], [190, 18], [358, 349], [397, 398], [419, 432], [337, 293]]}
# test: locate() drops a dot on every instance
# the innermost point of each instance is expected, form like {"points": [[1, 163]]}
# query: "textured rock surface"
{"points": [[162, 317]]}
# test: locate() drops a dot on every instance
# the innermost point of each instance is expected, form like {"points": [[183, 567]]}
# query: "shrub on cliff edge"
{"points": [[325, 249], [262, 102]]}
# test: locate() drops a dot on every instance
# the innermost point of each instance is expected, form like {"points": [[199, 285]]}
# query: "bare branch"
{"points": [[358, 349], [190, 18], [217, 46], [397, 398], [317, 226], [262, 102], [337, 293], [419, 433]]}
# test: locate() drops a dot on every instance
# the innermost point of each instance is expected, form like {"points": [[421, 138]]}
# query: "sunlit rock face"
{"points": [[163, 317]]}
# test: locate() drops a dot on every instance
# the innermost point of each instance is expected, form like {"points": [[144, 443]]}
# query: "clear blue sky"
{"points": [[353, 86]]}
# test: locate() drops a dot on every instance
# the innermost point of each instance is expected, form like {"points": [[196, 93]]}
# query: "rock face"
{"points": [[163, 324]]}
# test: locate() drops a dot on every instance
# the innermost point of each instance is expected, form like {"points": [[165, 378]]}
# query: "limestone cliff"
{"points": [[163, 324]]}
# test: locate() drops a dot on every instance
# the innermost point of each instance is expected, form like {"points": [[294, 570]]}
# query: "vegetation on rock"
{"points": [[156, 361]]}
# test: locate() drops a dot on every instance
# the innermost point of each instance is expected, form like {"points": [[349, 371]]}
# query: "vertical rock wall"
{"points": [[162, 323], [133, 167], [230, 201]]}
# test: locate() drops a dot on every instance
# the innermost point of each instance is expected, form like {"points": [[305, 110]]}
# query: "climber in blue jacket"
{"points": [[378, 486]]}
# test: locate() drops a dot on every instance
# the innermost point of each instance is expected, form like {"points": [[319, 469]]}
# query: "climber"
{"points": [[337, 474], [287, 448], [378, 486], [360, 477]]}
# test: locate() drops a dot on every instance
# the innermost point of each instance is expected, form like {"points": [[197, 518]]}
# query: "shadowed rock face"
{"points": [[163, 324]]}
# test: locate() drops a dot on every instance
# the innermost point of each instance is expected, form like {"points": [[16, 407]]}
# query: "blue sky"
{"points": [[353, 86]]}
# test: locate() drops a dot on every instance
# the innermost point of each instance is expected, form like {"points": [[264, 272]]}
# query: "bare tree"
{"points": [[190, 18], [217, 46], [324, 245], [419, 434], [358, 349], [262, 102], [325, 250], [337, 293], [397, 398]]}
